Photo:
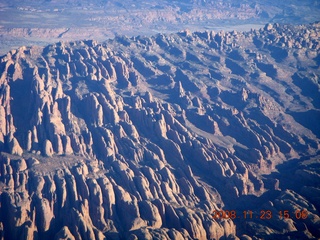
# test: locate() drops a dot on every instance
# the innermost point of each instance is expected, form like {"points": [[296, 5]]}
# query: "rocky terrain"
{"points": [[145, 137], [45, 22]]}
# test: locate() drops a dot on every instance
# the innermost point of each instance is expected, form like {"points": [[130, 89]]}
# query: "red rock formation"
{"points": [[92, 146]]}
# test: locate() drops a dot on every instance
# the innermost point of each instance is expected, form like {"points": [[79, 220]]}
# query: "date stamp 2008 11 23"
{"points": [[263, 215]]}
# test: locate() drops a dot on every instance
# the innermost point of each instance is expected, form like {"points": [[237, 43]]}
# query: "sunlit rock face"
{"points": [[144, 138]]}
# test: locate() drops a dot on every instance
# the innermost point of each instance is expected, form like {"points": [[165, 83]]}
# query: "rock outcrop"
{"points": [[94, 145]]}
